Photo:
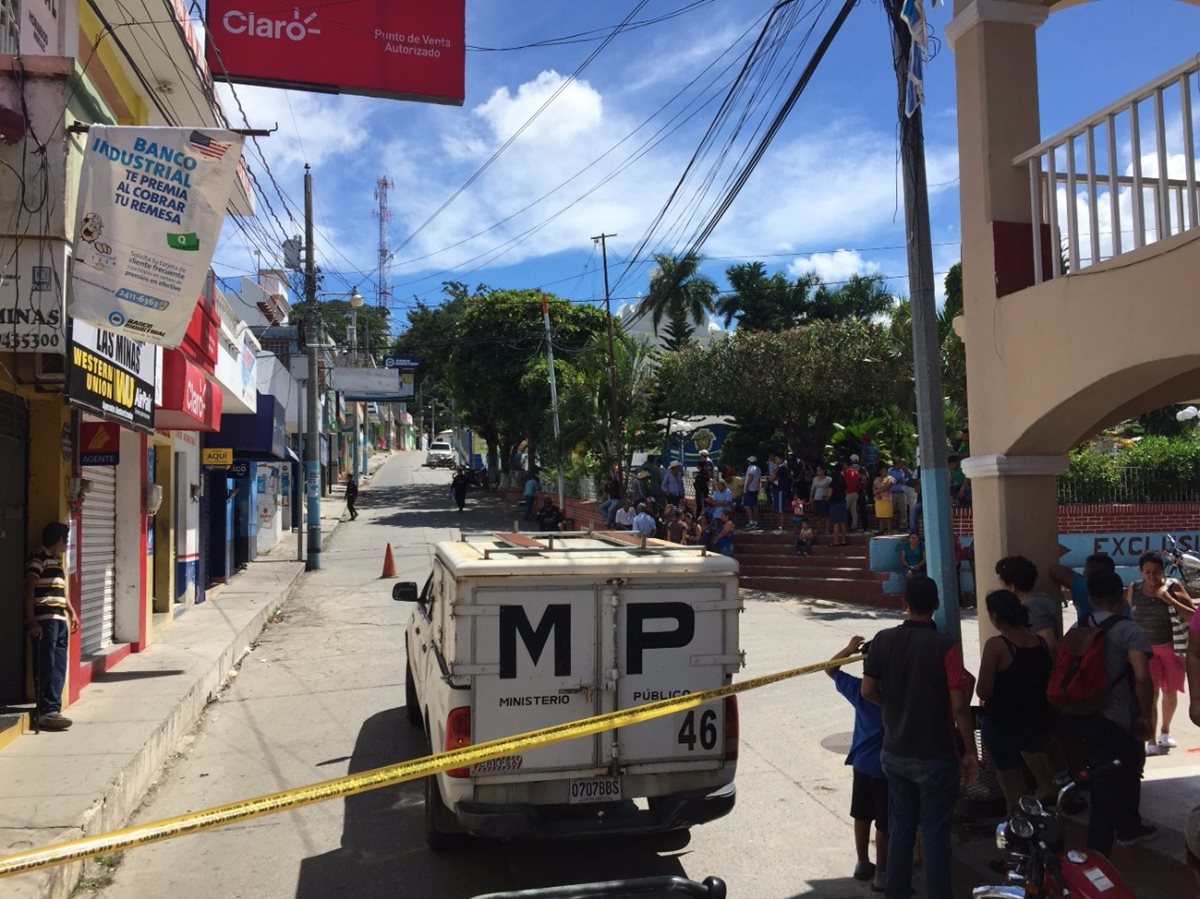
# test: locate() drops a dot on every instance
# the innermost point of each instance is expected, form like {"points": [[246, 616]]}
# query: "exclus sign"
{"points": [[402, 49]]}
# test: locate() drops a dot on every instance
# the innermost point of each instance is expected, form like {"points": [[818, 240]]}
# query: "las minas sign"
{"points": [[404, 49]]}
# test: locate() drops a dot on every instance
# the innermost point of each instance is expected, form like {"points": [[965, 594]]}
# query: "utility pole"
{"points": [[300, 493], [553, 401], [312, 464], [614, 411], [931, 425]]}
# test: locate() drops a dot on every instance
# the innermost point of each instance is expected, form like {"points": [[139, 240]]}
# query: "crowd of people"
{"points": [[1041, 710], [857, 492]]}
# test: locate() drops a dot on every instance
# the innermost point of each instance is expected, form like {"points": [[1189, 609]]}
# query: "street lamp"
{"points": [[356, 302]]}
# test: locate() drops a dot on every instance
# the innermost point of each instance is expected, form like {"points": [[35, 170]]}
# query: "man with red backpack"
{"points": [[1101, 683]]}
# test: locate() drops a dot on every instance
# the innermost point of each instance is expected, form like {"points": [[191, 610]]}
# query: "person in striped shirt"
{"points": [[50, 620]]}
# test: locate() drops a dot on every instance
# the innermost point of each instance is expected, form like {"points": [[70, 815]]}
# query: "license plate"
{"points": [[595, 789]]}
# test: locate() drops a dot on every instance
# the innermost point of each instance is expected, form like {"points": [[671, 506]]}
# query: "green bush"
{"points": [[1091, 477], [1154, 469]]}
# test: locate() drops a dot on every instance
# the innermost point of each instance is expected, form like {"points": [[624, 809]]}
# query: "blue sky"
{"points": [[824, 197]]}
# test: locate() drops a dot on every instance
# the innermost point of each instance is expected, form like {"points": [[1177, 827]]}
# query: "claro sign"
{"points": [[404, 49]]}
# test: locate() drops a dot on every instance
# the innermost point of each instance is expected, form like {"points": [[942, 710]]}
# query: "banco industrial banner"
{"points": [[151, 203]]}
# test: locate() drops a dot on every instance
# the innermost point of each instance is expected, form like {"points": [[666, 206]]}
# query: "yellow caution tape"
{"points": [[389, 775]]}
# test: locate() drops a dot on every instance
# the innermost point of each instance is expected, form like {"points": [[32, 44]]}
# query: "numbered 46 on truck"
{"points": [[514, 632]]}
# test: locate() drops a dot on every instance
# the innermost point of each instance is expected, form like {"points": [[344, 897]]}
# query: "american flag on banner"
{"points": [[912, 12], [214, 149]]}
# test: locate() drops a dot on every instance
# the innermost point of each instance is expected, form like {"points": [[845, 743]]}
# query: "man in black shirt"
{"points": [[916, 674], [782, 479]]}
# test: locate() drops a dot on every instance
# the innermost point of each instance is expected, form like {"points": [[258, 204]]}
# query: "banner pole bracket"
{"points": [[83, 128]]}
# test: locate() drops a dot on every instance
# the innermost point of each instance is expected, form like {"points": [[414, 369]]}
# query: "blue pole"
{"points": [[312, 457], [939, 548]]}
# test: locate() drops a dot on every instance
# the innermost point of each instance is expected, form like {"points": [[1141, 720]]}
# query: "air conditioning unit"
{"points": [[50, 367]]}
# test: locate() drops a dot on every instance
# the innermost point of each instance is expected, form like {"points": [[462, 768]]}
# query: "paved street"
{"points": [[322, 694]]}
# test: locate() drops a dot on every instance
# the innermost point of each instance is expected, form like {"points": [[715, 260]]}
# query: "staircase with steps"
{"points": [[840, 573]]}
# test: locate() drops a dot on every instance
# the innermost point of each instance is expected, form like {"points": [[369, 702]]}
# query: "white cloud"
{"points": [[831, 267], [312, 127], [833, 185]]}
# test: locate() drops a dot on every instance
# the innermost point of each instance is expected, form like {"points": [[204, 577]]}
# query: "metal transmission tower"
{"points": [[382, 186]]}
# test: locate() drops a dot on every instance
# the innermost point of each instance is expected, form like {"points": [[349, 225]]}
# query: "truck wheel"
{"points": [[411, 710], [441, 834]]}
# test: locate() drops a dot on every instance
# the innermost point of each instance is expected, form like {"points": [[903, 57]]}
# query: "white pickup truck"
{"points": [[514, 632]]}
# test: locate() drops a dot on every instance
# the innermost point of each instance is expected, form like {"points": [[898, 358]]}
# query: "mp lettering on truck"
{"points": [[556, 621]]}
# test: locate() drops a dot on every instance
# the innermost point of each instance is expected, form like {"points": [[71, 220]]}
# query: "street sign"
{"points": [[217, 458], [401, 362]]}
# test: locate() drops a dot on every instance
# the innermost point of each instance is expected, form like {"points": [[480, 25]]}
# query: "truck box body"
{"points": [[529, 639]]}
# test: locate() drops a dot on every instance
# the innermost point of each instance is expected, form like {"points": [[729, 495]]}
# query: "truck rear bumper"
{"points": [[666, 813]]}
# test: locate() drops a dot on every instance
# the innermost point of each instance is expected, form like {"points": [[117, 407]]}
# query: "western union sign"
{"points": [[112, 376]]}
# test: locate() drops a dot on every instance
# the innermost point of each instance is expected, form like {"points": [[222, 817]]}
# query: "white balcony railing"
{"points": [[1118, 180], [10, 26]]}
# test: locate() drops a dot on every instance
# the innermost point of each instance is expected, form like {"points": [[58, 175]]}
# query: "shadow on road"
{"points": [[383, 851], [431, 506]]}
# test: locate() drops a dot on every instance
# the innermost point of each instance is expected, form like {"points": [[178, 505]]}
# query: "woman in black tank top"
{"points": [[1017, 719]]}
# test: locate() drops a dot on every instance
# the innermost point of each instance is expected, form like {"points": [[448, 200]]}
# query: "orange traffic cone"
{"points": [[389, 564]]}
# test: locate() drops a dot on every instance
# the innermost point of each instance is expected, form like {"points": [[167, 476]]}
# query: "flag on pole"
{"points": [[912, 13]]}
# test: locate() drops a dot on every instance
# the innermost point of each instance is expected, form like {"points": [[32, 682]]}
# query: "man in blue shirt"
{"points": [[1077, 583], [869, 798], [643, 523]]}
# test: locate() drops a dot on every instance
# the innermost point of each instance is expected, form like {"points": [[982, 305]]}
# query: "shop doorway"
{"points": [[14, 461]]}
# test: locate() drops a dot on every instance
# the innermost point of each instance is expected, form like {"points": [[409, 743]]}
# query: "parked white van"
{"points": [[514, 632]]}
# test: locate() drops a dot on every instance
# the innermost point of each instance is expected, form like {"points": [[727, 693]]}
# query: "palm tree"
{"points": [[762, 302], [680, 294]]}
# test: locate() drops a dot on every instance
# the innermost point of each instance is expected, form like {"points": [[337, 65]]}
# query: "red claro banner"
{"points": [[400, 49]]}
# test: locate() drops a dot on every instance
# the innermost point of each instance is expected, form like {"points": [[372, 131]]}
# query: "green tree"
{"points": [[681, 294], [817, 374], [374, 328], [953, 350], [861, 297], [497, 369], [762, 302]]}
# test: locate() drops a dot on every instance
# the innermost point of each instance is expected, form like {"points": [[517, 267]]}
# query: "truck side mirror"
{"points": [[405, 591]]}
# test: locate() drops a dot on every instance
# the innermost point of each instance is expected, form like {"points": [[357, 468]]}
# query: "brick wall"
{"points": [[1099, 518]]}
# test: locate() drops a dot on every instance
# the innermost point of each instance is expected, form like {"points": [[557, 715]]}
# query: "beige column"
{"points": [[995, 51], [1015, 514]]}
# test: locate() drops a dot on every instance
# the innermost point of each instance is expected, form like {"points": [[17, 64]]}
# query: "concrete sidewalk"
{"points": [[91, 778]]}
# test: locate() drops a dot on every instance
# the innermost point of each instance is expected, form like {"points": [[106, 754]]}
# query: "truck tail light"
{"points": [[458, 735], [731, 728]]}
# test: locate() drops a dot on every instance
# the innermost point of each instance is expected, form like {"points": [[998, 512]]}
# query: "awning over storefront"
{"points": [[190, 402], [237, 360], [257, 437]]}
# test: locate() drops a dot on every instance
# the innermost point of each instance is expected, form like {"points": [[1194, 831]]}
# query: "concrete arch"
{"points": [[1115, 398], [1055, 363]]}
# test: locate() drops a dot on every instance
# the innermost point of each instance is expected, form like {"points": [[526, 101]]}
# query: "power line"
{"points": [[523, 128]]}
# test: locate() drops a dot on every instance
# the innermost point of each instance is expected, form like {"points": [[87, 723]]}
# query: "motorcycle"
{"points": [[1039, 866], [1183, 566]]}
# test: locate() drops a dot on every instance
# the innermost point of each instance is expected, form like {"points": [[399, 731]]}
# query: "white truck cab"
{"points": [[514, 632]]}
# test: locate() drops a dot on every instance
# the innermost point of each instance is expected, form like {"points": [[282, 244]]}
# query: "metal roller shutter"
{"points": [[98, 559]]}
